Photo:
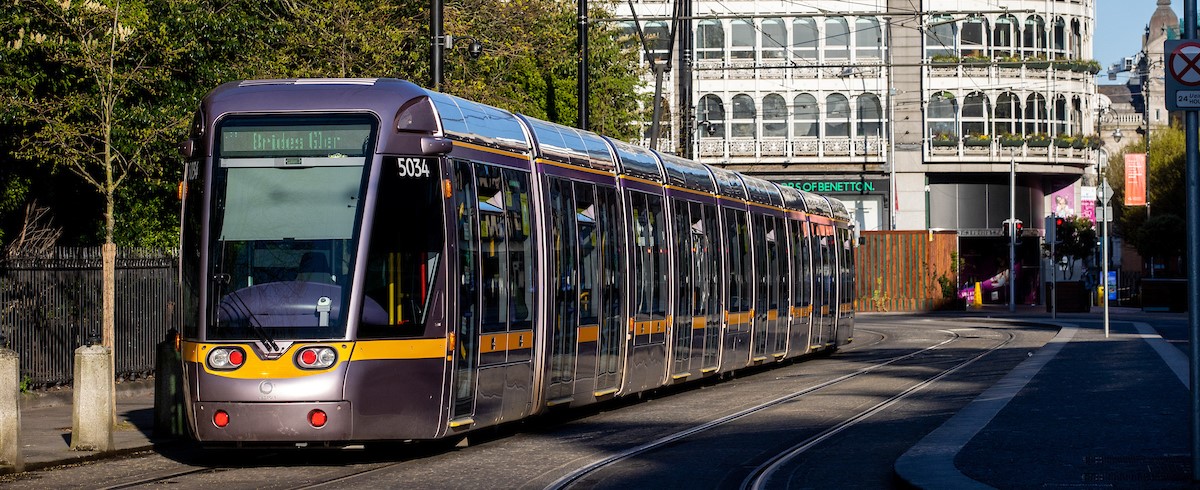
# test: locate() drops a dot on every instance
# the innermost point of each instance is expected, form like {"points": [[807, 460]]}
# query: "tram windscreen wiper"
{"points": [[241, 310], [252, 322]]}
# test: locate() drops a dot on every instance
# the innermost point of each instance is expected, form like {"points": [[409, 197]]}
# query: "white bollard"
{"points": [[10, 411], [93, 414]]}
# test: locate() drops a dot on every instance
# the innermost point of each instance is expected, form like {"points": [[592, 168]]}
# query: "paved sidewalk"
{"points": [[1083, 411], [46, 426]]}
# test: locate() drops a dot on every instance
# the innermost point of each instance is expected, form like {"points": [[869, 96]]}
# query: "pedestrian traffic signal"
{"points": [[1013, 227]]}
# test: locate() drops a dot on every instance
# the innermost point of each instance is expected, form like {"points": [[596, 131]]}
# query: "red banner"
{"points": [[1135, 179]]}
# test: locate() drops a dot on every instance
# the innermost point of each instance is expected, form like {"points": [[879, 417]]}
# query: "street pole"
{"points": [[1192, 152], [1012, 231]]}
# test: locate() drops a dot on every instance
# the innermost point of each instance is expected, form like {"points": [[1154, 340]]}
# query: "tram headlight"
{"points": [[317, 357], [226, 358]]}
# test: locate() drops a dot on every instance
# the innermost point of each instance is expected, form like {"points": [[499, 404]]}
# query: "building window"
{"points": [[710, 109], [804, 39], [943, 110], [870, 116], [1061, 125], [1004, 36], [774, 116], [774, 39], [710, 40], [1036, 118], [629, 37], [975, 114], [1076, 39], [939, 36], [742, 125], [1034, 42], [868, 38], [837, 116], [1077, 115], [837, 38], [1060, 38], [807, 118], [1008, 113], [974, 37], [742, 37]]}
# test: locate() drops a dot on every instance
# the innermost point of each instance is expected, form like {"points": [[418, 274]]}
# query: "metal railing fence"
{"points": [[49, 306]]}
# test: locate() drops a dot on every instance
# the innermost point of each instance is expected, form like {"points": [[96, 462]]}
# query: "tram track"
{"points": [[568, 480]]}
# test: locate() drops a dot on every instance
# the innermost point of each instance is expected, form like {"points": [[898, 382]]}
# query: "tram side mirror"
{"points": [[187, 148]]}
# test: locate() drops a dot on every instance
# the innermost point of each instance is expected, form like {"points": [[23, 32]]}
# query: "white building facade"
{"points": [[912, 111]]}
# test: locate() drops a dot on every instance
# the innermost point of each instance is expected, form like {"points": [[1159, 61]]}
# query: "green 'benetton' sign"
{"points": [[833, 186]]}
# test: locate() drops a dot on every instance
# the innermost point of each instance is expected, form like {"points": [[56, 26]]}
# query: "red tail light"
{"points": [[226, 358], [220, 418], [316, 357], [317, 418]]}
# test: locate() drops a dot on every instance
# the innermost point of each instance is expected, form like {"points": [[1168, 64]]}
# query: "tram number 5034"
{"points": [[413, 167]]}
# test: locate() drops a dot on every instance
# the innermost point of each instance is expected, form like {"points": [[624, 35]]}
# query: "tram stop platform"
{"points": [[1081, 412]]}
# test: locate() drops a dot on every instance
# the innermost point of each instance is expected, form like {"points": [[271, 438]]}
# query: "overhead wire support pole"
{"points": [[438, 42], [583, 89], [1192, 152]]}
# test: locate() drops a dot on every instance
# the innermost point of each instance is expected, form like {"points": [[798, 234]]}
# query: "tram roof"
{"points": [[817, 204], [565, 144], [729, 183], [838, 208], [763, 192], [793, 198], [469, 121], [637, 161], [687, 174]]}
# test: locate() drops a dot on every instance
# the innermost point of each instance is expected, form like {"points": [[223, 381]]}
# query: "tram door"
{"points": [[465, 337], [710, 284], [802, 288], [697, 326], [608, 242], [777, 262], [564, 321], [762, 288]]}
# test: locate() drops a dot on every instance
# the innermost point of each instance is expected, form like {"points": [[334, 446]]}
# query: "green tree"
{"points": [[528, 64], [1165, 192], [94, 110]]}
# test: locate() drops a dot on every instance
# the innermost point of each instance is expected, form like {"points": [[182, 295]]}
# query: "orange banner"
{"points": [[1135, 179]]}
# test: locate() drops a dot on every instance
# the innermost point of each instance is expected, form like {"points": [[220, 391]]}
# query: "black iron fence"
{"points": [[49, 306]]}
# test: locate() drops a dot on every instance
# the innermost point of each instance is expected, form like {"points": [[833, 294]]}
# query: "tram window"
{"points": [[803, 261], [738, 255], [761, 271], [658, 255], [404, 255], [493, 255], [589, 253], [650, 260], [711, 261], [520, 250], [468, 262]]}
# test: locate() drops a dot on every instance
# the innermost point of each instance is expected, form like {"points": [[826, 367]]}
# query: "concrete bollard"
{"points": [[93, 414], [10, 411], [168, 389]]}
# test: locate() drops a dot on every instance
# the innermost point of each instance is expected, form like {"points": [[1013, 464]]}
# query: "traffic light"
{"points": [[1010, 229], [1052, 224]]}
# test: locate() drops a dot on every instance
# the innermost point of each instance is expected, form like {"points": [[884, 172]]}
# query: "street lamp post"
{"points": [[1104, 196]]}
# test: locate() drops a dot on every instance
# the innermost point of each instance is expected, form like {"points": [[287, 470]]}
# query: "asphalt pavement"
{"points": [[1082, 411]]}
